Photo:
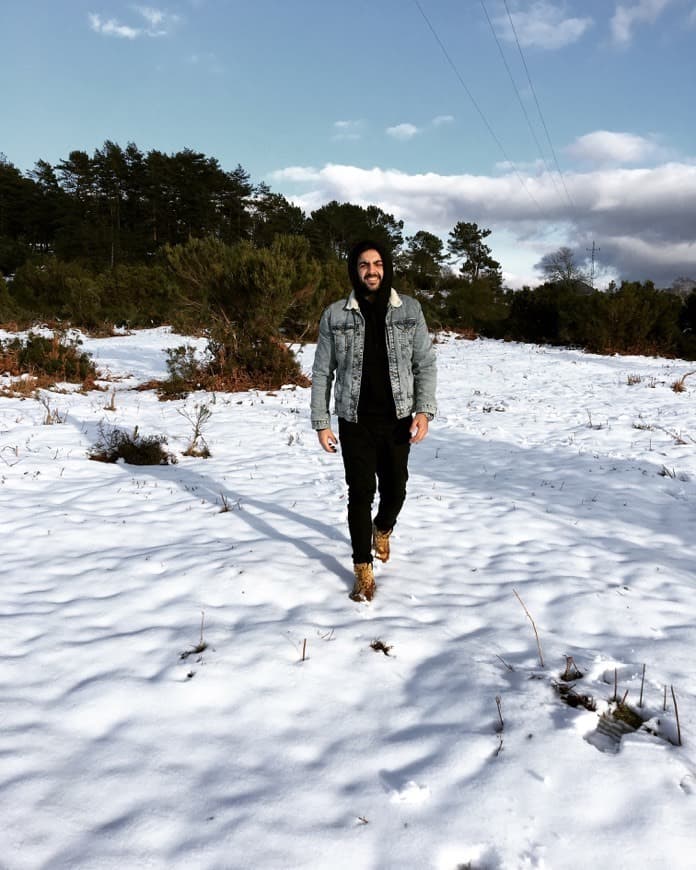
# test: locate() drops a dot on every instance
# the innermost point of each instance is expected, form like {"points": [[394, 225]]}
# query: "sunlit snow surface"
{"points": [[545, 472]]}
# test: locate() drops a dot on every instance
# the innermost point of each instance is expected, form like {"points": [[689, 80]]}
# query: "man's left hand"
{"points": [[419, 428]]}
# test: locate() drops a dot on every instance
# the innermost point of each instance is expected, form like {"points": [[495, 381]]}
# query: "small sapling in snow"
{"points": [[198, 419]]}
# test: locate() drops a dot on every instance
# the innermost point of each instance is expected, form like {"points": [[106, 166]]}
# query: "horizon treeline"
{"points": [[126, 237]]}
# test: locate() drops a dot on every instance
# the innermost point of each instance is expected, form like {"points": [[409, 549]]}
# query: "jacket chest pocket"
{"points": [[343, 336], [404, 331]]}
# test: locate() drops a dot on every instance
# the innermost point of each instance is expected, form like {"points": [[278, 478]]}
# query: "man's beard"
{"points": [[372, 290]]}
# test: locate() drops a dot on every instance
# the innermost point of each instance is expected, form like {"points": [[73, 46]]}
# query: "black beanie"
{"points": [[354, 256]]}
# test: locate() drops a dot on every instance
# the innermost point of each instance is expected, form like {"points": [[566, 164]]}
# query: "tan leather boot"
{"points": [[380, 543], [364, 587]]}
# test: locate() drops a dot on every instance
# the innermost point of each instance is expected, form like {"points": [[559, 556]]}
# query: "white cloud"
{"points": [[543, 25], [111, 27], [347, 130], [641, 218], [157, 23], [439, 120], [627, 16], [154, 17], [533, 167], [403, 131], [298, 174], [604, 146]]}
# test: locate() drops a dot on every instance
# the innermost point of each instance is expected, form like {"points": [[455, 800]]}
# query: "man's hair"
{"points": [[354, 256]]}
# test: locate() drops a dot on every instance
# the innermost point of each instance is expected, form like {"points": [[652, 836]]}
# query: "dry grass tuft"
{"points": [[52, 415], [679, 386]]}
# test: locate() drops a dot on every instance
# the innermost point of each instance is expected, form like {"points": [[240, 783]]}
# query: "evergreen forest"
{"points": [[133, 239]]}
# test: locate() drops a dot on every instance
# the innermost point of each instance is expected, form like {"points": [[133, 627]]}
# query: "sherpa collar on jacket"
{"points": [[352, 301]]}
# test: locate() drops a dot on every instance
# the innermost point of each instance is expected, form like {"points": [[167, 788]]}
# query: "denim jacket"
{"points": [[410, 355]]}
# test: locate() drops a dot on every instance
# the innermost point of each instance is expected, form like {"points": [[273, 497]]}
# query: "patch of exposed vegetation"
{"points": [[569, 696], [42, 361], [131, 448], [233, 363], [380, 646]]}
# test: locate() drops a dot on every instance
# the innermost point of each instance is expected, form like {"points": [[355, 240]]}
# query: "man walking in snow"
{"points": [[376, 345]]}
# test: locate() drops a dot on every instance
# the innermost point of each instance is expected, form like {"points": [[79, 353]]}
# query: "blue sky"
{"points": [[428, 108]]}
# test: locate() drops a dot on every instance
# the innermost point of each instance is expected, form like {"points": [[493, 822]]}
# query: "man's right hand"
{"points": [[328, 440]]}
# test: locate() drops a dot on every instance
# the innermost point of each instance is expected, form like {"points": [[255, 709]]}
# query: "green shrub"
{"points": [[56, 359], [244, 295], [12, 254], [8, 310], [134, 449], [52, 288], [185, 372], [137, 295], [234, 361]]}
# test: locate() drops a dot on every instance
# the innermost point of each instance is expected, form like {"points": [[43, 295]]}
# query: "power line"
{"points": [[476, 105], [519, 98], [541, 114]]}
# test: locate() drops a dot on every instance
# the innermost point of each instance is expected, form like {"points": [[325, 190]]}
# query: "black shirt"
{"points": [[376, 397]]}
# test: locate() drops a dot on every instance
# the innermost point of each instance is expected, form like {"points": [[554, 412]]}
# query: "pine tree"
{"points": [[466, 243]]}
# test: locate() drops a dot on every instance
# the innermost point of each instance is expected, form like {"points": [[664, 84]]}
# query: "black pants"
{"points": [[375, 447]]}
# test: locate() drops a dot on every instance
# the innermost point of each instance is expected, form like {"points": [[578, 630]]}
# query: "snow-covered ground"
{"points": [[546, 473]]}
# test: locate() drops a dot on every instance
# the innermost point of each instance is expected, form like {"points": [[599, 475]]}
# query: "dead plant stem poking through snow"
{"points": [[642, 685], [500, 727], [676, 716], [536, 633], [572, 671], [498, 703], [200, 647], [52, 415]]}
